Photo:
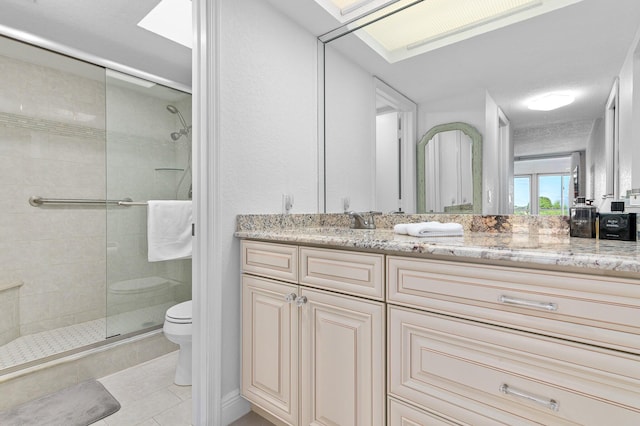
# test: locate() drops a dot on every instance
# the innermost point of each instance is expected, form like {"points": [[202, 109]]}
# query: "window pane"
{"points": [[553, 193], [522, 195]]}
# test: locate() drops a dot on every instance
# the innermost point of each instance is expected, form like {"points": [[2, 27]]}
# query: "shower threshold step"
{"points": [[32, 347]]}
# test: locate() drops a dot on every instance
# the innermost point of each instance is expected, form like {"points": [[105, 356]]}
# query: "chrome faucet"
{"points": [[358, 220]]}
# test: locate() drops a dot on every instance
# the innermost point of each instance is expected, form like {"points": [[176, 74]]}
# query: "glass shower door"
{"points": [[148, 155]]}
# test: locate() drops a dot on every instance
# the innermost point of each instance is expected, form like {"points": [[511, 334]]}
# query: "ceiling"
{"points": [[103, 28], [581, 47]]}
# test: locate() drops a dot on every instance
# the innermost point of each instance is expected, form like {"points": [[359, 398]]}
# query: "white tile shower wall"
{"points": [[52, 145], [9, 311]]}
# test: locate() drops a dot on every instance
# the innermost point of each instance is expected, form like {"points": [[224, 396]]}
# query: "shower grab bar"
{"points": [[126, 202]]}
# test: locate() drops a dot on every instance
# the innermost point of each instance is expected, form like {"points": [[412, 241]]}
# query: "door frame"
{"points": [[407, 114]]}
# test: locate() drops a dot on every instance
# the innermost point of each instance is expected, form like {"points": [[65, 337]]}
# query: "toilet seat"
{"points": [[180, 314]]}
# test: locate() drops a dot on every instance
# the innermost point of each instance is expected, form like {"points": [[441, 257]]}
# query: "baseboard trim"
{"points": [[234, 406]]}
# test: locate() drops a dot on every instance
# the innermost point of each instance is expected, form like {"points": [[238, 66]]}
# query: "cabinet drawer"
{"points": [[404, 415], [277, 261], [358, 274], [443, 363], [592, 309]]}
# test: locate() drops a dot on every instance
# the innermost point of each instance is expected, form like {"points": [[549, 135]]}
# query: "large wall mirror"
{"points": [[485, 74]]}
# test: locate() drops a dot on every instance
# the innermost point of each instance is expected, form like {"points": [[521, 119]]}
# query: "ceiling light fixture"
{"points": [[551, 101], [432, 24], [456, 21], [171, 19], [354, 6]]}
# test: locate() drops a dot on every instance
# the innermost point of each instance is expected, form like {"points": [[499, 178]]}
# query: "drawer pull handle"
{"points": [[301, 301], [290, 298], [547, 306], [551, 404]]}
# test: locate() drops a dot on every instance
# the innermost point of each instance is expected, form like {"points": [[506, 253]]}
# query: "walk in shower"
{"points": [[82, 150]]}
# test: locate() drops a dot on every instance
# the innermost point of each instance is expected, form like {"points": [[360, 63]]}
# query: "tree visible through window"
{"points": [[542, 194], [553, 193]]}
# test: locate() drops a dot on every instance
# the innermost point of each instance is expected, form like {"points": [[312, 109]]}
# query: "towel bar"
{"points": [[125, 202]]}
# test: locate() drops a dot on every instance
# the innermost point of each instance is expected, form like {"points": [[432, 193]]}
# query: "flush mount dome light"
{"points": [[551, 101]]}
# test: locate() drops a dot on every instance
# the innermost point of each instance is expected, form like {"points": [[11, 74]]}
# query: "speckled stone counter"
{"points": [[518, 241]]}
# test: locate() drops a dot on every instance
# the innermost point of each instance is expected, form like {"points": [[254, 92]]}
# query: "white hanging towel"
{"points": [[169, 229], [432, 229]]}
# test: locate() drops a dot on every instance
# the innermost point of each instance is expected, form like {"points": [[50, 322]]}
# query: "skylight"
{"points": [[171, 19]]}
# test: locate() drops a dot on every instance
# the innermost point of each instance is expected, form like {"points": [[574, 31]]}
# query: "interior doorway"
{"points": [[394, 169]]}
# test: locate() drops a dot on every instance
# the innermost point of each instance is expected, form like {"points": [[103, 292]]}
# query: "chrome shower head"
{"points": [[186, 129], [173, 110]]}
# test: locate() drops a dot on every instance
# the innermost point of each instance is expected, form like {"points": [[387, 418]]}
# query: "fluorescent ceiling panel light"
{"points": [[350, 6], [171, 19], [432, 24], [130, 79], [551, 101], [448, 20]]}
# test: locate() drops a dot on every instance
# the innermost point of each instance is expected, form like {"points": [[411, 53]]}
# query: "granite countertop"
{"points": [[590, 255]]}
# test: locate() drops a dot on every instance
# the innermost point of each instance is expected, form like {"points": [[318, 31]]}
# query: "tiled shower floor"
{"points": [[44, 344]]}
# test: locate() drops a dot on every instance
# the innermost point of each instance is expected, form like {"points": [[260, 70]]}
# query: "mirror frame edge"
{"points": [[476, 163]]}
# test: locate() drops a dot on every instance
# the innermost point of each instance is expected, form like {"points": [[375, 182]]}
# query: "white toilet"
{"points": [[177, 328]]}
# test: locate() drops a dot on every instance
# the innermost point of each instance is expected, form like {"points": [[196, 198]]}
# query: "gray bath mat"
{"points": [[79, 405]]}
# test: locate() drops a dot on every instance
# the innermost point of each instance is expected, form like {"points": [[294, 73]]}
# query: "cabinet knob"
{"points": [[301, 300], [291, 297]]}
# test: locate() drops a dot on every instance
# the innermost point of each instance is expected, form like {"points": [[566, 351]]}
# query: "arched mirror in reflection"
{"points": [[449, 169]]}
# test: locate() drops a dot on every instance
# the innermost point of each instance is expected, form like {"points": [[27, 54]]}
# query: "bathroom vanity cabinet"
{"points": [[455, 342], [313, 350]]}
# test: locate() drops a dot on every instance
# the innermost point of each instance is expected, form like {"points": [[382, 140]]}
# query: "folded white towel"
{"points": [[169, 229], [434, 229], [401, 228]]}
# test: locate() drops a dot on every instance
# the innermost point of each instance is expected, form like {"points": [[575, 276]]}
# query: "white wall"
{"points": [[470, 110], [268, 136], [350, 133]]}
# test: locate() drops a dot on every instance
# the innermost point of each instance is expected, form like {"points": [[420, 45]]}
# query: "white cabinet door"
{"points": [[270, 347], [343, 367]]}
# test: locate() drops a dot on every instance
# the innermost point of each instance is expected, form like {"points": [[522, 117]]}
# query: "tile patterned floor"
{"points": [[148, 396]]}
